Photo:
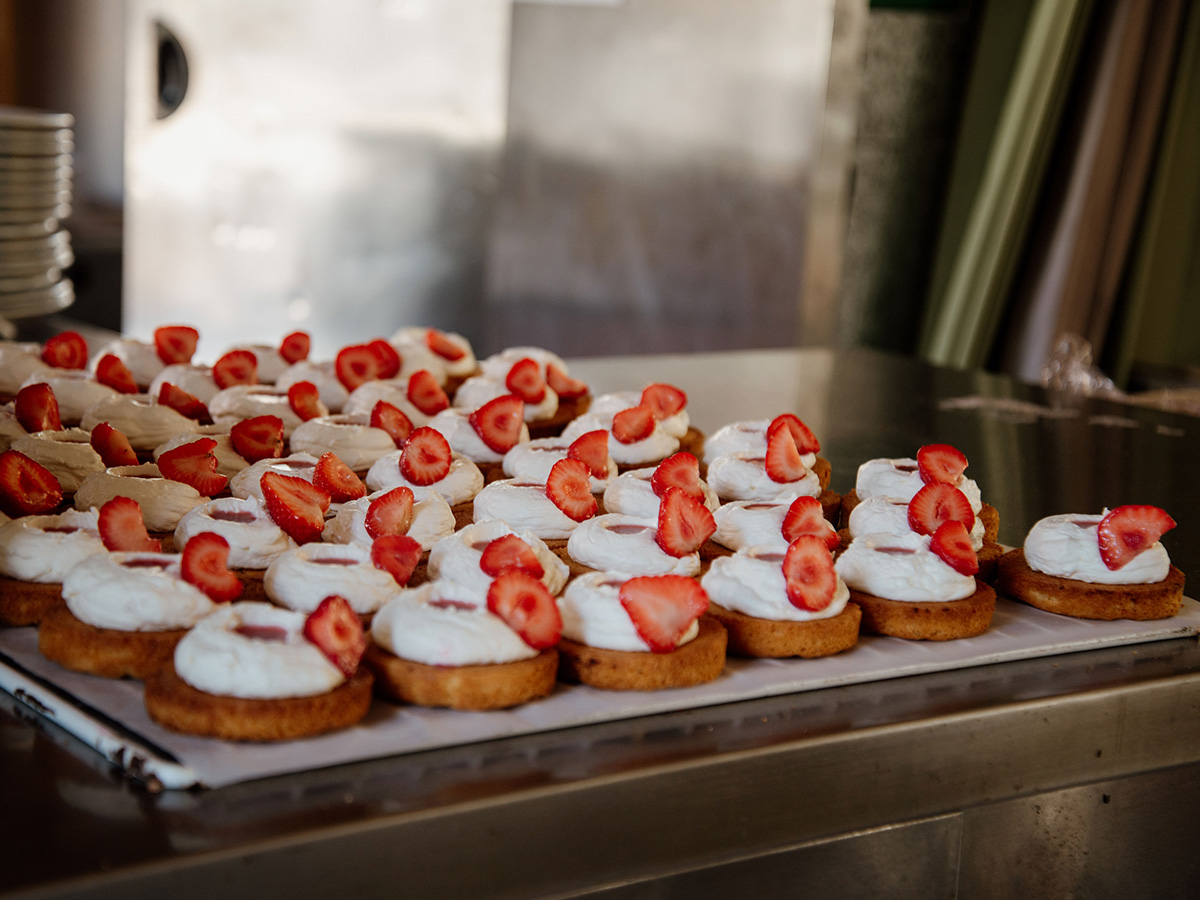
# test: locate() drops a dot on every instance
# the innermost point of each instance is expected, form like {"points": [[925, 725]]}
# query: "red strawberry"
{"points": [[1128, 530], [390, 513], [36, 408], [510, 554], [952, 543], [564, 385], [426, 394], [26, 487], [355, 365], [337, 479], [235, 367], [425, 458], [389, 359], [937, 503], [114, 373], [182, 402], [175, 343], [65, 351], [592, 450], [806, 441], [634, 424], [338, 633], [684, 523], [295, 505], [305, 400], [194, 464], [805, 516], [440, 344], [783, 458], [809, 573], [389, 418], [122, 527], [568, 488], [295, 346], [664, 400], [525, 379], [259, 437], [527, 607], [114, 448], [498, 422], [396, 554], [663, 607], [940, 463], [205, 564], [679, 471]]}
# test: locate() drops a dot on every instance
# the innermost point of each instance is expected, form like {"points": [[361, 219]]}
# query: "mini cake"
{"points": [[638, 492], [196, 380], [526, 379], [271, 362], [551, 510], [67, 453], [668, 408], [426, 465], [75, 389], [635, 438], [140, 358], [140, 418], [452, 353], [532, 461], [479, 553], [255, 541], [750, 437], [301, 578], [351, 438], [245, 401], [332, 391], [36, 552], [426, 521], [363, 398], [770, 523], [163, 501], [229, 461], [779, 474], [248, 482], [18, 361], [485, 434]]}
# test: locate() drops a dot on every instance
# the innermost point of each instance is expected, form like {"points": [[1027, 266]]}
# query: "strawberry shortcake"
{"points": [[484, 435], [532, 461], [255, 541], [427, 465], [393, 511], [479, 553], [444, 353], [776, 473], [552, 510], [74, 389], [36, 552], [144, 421], [770, 523]]}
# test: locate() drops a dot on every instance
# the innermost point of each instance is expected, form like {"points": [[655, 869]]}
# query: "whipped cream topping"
{"points": [[391, 390], [140, 357], [743, 476], [74, 389], [432, 520], [458, 431], [302, 578], [901, 567], [163, 501], [652, 449], [350, 438], [532, 461], [67, 453], [411, 340], [901, 479], [525, 507], [608, 405], [248, 482], [245, 401], [196, 380], [323, 374], [476, 391], [462, 482], [592, 614], [457, 558], [498, 364], [270, 364], [145, 422], [748, 437], [255, 541], [617, 543], [631, 494], [229, 461], [752, 523], [888, 515], [1067, 546], [221, 655], [43, 549], [133, 592], [18, 361], [10, 428], [751, 582]]}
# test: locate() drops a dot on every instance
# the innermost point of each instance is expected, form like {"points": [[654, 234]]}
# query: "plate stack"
{"points": [[35, 196]]}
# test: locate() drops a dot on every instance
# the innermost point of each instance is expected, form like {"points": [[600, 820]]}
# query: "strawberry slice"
{"points": [[684, 523], [337, 479], [387, 357], [338, 633], [809, 573], [27, 487], [396, 554], [952, 543], [1128, 530], [525, 379], [443, 346], [122, 527], [295, 505], [509, 553], [67, 350], [205, 564], [940, 463], [634, 424], [783, 458], [390, 513], [391, 419], [805, 516], [295, 346], [304, 398], [663, 608], [568, 488], [679, 471], [175, 343], [426, 394], [193, 464], [425, 457], [806, 441], [36, 408], [235, 367], [114, 448], [937, 503], [182, 402], [498, 422], [527, 607], [592, 450], [356, 364], [663, 400], [259, 437], [114, 373], [564, 385]]}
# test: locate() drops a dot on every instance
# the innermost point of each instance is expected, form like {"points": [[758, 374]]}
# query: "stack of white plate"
{"points": [[35, 196]]}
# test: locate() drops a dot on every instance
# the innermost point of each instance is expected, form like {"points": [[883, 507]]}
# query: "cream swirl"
{"points": [[323, 375], [363, 398], [533, 460], [900, 478], [245, 401], [657, 446], [476, 391], [744, 437], [1067, 546], [196, 380], [888, 515], [616, 543], [525, 507], [498, 364], [133, 592], [631, 494], [43, 549], [901, 567], [461, 484], [248, 482], [350, 438], [432, 520], [145, 422], [302, 578], [68, 454], [229, 461], [74, 389], [752, 523], [592, 614], [457, 557], [270, 365], [19, 361], [743, 476], [414, 339], [163, 501], [456, 428], [255, 541], [752, 582], [608, 405], [140, 357]]}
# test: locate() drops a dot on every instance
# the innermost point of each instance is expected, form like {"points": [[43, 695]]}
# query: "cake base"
{"points": [[106, 652], [696, 662], [496, 686], [767, 638], [946, 621], [27, 602]]}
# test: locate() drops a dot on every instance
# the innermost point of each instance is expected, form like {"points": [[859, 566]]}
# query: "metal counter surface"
{"points": [[613, 805]]}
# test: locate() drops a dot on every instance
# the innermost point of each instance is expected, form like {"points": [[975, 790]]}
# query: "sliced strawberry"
{"points": [[175, 343], [592, 450], [390, 513], [205, 564], [26, 487], [568, 488], [509, 553], [663, 608], [498, 422], [387, 356], [805, 516], [36, 408], [114, 373], [679, 471], [396, 554], [67, 350], [356, 364], [122, 527], [295, 505], [937, 503], [440, 344], [295, 347], [304, 398], [1128, 530], [684, 523], [425, 458], [391, 419], [114, 448], [952, 543], [634, 424], [338, 633], [259, 437], [525, 379], [940, 463], [809, 573], [664, 400], [193, 464], [564, 385], [806, 441], [235, 367], [783, 458], [527, 607], [337, 479], [426, 394], [182, 402]]}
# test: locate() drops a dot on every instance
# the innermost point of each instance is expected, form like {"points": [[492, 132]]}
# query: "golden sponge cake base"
{"points": [[27, 602], [696, 662], [767, 638], [106, 652], [946, 621]]}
